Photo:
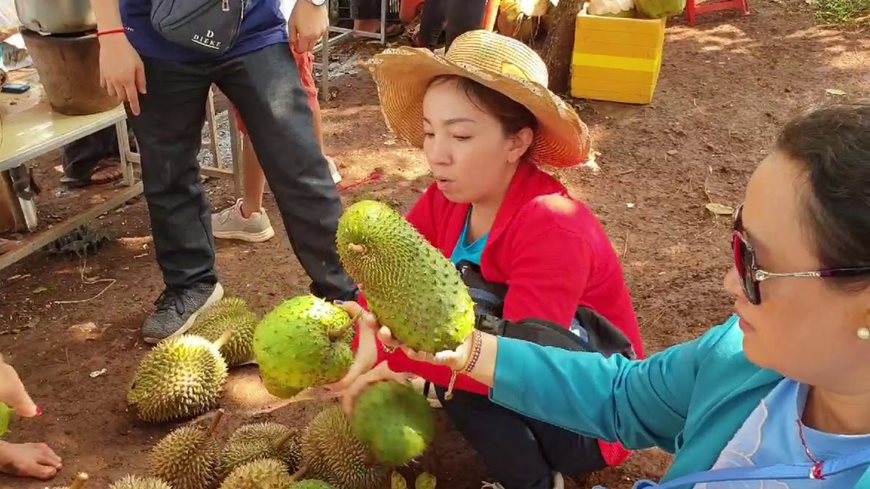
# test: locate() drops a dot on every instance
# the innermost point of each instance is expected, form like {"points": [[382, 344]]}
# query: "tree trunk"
{"points": [[560, 44]]}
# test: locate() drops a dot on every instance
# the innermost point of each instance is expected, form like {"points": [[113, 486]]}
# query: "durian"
{"points": [[303, 342], [395, 421], [312, 484], [260, 441], [333, 454], [261, 474], [409, 284], [187, 458], [136, 482], [181, 377], [425, 481], [79, 483], [229, 314]]}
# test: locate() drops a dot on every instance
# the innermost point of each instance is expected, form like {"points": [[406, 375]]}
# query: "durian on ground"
{"points": [[179, 378], [137, 482], [188, 457], [229, 314], [261, 474], [332, 453], [259, 441]]}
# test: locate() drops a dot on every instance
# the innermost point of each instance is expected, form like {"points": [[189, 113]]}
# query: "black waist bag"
{"points": [[206, 26], [589, 332]]}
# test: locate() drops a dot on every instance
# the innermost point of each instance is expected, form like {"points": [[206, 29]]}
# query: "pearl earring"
{"points": [[864, 334]]}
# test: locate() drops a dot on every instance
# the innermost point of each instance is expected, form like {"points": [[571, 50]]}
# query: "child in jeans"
{"points": [[246, 220]]}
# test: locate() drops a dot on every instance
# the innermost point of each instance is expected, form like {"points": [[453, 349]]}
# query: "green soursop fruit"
{"points": [[229, 314], [259, 441], [398, 481], [261, 474], [425, 481], [188, 457], [333, 454], [136, 482], [659, 9], [395, 421], [409, 284], [180, 378], [312, 484], [304, 342]]}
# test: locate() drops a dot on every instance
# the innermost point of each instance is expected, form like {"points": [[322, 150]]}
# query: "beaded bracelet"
{"points": [[476, 347]]}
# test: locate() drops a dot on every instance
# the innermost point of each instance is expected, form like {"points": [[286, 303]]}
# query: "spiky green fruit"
{"points": [[261, 441], [312, 484], [186, 458], [229, 314], [395, 421], [260, 474], [409, 284], [180, 378], [136, 482], [304, 342], [425, 481], [336, 456], [398, 481]]}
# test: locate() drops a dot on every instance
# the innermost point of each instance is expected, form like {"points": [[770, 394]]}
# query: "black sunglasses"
{"points": [[751, 276]]}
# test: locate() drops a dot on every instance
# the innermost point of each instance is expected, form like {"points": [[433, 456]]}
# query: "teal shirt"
{"points": [[689, 400], [464, 250]]}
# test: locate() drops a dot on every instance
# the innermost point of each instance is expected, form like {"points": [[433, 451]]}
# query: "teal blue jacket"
{"points": [[689, 400]]}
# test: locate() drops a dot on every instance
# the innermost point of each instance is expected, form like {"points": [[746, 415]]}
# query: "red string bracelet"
{"points": [[111, 31]]}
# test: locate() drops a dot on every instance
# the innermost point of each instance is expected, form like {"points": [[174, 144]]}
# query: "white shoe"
{"points": [[491, 485], [558, 481], [230, 224]]}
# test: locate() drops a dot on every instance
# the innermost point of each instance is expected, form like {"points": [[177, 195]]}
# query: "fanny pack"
{"points": [[206, 26], [589, 331]]}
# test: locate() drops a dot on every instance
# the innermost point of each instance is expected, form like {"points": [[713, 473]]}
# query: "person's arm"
{"points": [[638, 403], [122, 73]]}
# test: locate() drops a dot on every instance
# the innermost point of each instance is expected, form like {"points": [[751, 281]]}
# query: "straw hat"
{"points": [[503, 64]]}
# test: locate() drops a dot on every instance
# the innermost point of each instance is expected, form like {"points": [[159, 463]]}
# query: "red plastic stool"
{"points": [[693, 10]]}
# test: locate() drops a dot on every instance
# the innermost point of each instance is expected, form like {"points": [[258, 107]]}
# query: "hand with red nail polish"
{"points": [[13, 393]]}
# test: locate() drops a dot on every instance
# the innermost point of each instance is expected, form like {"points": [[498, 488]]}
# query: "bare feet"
{"points": [[107, 174], [34, 460]]}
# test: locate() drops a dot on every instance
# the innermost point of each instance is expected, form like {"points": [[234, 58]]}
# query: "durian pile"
{"points": [[325, 455], [304, 343]]}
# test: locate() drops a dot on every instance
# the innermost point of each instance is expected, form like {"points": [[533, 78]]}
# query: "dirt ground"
{"points": [[726, 87]]}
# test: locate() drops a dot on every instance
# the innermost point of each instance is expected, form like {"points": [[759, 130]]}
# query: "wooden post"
{"points": [[560, 44]]}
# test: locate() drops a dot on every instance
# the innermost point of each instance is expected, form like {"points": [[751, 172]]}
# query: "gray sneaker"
{"points": [[229, 224], [177, 310]]}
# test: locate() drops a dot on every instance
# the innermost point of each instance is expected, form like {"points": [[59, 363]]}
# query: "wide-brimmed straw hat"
{"points": [[499, 62]]}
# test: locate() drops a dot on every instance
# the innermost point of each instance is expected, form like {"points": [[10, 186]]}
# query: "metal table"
{"points": [[31, 130]]}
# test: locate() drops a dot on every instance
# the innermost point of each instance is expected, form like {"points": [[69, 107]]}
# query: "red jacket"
{"points": [[552, 262]]}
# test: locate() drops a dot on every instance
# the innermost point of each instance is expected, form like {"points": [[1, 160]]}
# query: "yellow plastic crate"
{"points": [[616, 59]]}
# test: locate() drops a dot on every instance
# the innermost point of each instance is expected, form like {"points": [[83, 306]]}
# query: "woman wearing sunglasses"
{"points": [[781, 391]]}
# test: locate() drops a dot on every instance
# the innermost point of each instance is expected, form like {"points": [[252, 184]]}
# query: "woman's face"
{"points": [[804, 328], [470, 156]]}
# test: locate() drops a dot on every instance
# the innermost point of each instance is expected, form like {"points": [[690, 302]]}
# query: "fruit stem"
{"points": [[300, 473], [214, 423], [280, 442], [80, 481], [220, 342], [356, 248]]}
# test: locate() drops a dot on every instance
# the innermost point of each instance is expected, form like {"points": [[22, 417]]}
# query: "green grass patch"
{"points": [[841, 11]]}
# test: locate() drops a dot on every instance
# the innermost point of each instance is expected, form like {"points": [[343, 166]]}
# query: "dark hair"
{"points": [[513, 116], [833, 144]]}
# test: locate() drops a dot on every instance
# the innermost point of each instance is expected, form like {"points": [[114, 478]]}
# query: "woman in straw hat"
{"points": [[486, 122], [779, 395]]}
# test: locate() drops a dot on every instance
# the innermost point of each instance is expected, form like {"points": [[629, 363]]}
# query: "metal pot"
{"points": [[56, 16]]}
